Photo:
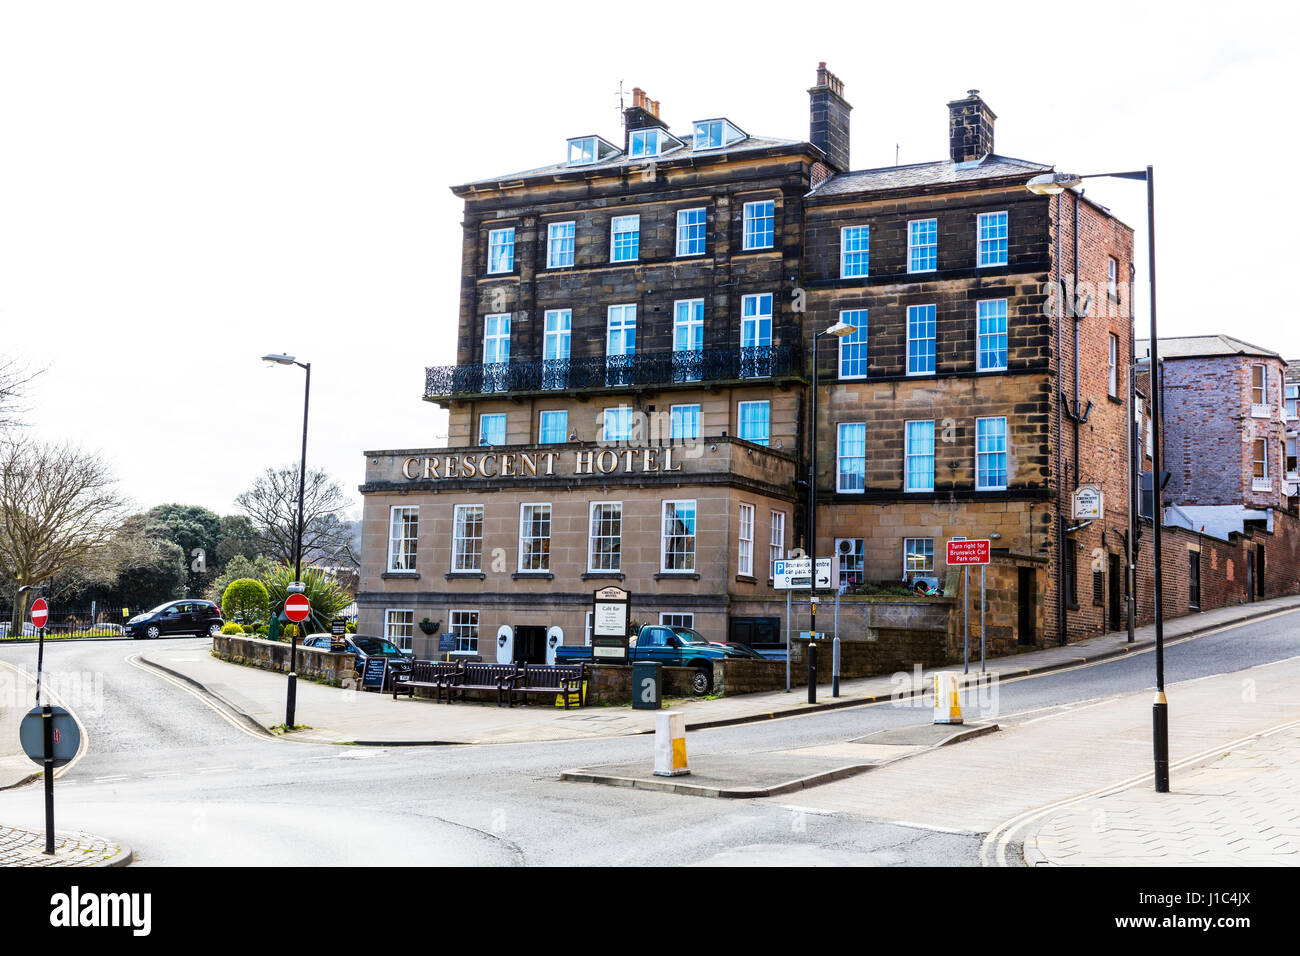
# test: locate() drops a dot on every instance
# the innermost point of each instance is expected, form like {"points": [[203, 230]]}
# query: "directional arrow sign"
{"points": [[297, 608], [40, 612]]}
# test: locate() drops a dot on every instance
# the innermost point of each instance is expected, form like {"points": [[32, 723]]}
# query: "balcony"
{"points": [[1261, 484], [769, 364]]}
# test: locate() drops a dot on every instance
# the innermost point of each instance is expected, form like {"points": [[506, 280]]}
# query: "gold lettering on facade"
{"points": [[527, 464], [550, 463], [582, 462], [483, 465], [613, 461], [430, 468], [449, 466], [668, 460], [627, 460], [406, 468], [507, 466], [650, 459], [468, 467]]}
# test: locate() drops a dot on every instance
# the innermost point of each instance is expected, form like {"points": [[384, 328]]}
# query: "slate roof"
{"points": [[919, 175], [1202, 346], [749, 143]]}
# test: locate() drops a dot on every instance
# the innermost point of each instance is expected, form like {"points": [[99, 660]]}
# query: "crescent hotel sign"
{"points": [[584, 461]]}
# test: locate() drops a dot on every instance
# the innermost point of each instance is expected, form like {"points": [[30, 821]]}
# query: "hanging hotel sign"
{"points": [[609, 622], [540, 464], [1088, 502]]}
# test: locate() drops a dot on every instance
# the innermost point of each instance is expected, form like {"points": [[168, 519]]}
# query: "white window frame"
{"points": [[917, 572], [483, 441], [625, 323], [398, 546], [909, 455], [932, 338], [552, 259], [1291, 393], [845, 252], [914, 247], [454, 626], [1112, 360], [748, 234], [401, 640], [457, 551], [541, 426], [745, 539], [1112, 277], [501, 337], [644, 134], [981, 336], [766, 440], [664, 536], [1005, 453], [493, 244], [841, 458], [524, 538], [1291, 449], [1259, 395], [688, 616], [854, 340], [688, 330], [624, 412], [685, 238], [615, 232], [856, 565], [674, 418], [592, 537], [979, 242], [775, 541]]}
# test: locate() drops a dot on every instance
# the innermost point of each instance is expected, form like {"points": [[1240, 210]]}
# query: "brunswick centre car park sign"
{"points": [[793, 574]]}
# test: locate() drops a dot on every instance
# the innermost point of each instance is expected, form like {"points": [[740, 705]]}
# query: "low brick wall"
{"points": [[742, 676], [612, 683], [896, 650], [313, 663]]}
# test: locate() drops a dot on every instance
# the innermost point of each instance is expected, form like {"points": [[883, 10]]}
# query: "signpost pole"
{"points": [[835, 664], [982, 567], [787, 642], [47, 728], [965, 620]]}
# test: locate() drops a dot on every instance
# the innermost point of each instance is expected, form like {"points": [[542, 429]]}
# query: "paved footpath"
{"points": [[339, 716], [1239, 809], [20, 847]]}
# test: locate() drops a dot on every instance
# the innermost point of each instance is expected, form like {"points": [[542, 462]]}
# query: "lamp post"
{"points": [[1051, 184], [838, 330], [291, 700]]}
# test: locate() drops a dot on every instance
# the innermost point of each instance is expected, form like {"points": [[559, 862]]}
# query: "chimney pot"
{"points": [[970, 128], [829, 118]]}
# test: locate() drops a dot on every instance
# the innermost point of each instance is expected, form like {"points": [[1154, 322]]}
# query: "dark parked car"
{"points": [[399, 663], [177, 617]]}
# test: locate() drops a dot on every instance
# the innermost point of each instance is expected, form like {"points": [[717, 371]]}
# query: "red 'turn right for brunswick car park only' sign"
{"points": [[974, 551]]}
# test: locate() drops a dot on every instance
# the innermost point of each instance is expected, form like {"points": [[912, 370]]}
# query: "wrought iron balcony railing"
{"points": [[661, 369]]}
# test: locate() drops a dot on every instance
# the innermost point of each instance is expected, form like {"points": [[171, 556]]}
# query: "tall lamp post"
{"points": [[1051, 184], [838, 330], [291, 701]]}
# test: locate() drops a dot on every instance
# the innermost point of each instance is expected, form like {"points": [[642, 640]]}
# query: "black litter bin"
{"points": [[647, 685]]}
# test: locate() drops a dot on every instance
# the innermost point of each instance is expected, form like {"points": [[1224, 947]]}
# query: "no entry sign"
{"points": [[974, 551], [40, 612], [297, 608]]}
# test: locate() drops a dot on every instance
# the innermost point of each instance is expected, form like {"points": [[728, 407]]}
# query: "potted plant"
{"points": [[428, 626]]}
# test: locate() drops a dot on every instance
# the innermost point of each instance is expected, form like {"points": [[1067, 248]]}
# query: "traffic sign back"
{"points": [[67, 735]]}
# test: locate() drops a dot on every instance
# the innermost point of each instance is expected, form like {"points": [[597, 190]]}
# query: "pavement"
{"points": [[341, 716], [19, 847], [1237, 809]]}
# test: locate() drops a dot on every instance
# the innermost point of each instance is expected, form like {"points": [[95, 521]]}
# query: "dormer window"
{"points": [[716, 133], [586, 150], [643, 142]]}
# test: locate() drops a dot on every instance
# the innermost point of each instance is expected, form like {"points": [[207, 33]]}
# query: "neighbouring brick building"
{"points": [[630, 402]]}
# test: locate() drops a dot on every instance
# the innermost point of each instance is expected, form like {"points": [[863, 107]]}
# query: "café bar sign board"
{"points": [[609, 621], [542, 464], [1088, 502]]}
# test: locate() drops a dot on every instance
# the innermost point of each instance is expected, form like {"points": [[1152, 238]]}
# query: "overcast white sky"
{"points": [[185, 186]]}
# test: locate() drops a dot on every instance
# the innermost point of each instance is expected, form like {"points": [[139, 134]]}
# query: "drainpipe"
{"points": [[1060, 452]]}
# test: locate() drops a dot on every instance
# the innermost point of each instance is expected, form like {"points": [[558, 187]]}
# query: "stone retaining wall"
{"points": [[313, 663]]}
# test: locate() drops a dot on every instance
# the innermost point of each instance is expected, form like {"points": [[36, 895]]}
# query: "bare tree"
{"points": [[59, 510], [272, 506], [14, 379]]}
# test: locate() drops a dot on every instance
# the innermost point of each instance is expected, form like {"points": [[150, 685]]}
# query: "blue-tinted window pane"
{"points": [[923, 245], [555, 427], [992, 239], [920, 339], [992, 344], [855, 248], [853, 347], [852, 456]]}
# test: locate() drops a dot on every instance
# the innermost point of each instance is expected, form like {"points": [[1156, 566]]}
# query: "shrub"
{"points": [[289, 632], [263, 630], [326, 595], [246, 601], [351, 626], [230, 627]]}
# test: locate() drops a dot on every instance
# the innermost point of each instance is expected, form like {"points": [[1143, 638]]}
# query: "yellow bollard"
{"points": [[947, 698]]}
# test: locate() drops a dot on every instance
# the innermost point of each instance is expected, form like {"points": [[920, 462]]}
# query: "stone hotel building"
{"points": [[630, 401]]}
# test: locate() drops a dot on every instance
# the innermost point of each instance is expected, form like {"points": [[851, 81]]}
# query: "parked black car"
{"points": [[399, 662], [177, 617]]}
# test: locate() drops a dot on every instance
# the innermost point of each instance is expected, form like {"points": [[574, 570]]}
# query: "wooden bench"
{"points": [[564, 679], [497, 677], [438, 675]]}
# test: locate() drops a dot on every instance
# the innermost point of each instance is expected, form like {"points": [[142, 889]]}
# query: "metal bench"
{"points": [[497, 677], [438, 675], [564, 679]]}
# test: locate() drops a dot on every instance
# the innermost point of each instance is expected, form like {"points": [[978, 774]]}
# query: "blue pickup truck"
{"points": [[670, 646]]}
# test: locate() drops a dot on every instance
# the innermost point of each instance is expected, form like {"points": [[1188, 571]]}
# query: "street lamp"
{"points": [[1050, 184], [838, 330], [280, 359]]}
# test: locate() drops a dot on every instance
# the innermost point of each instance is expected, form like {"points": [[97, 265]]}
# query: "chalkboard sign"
{"points": [[446, 642], [375, 674]]}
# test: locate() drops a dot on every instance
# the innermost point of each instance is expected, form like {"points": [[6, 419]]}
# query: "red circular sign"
{"points": [[40, 612], [297, 608]]}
